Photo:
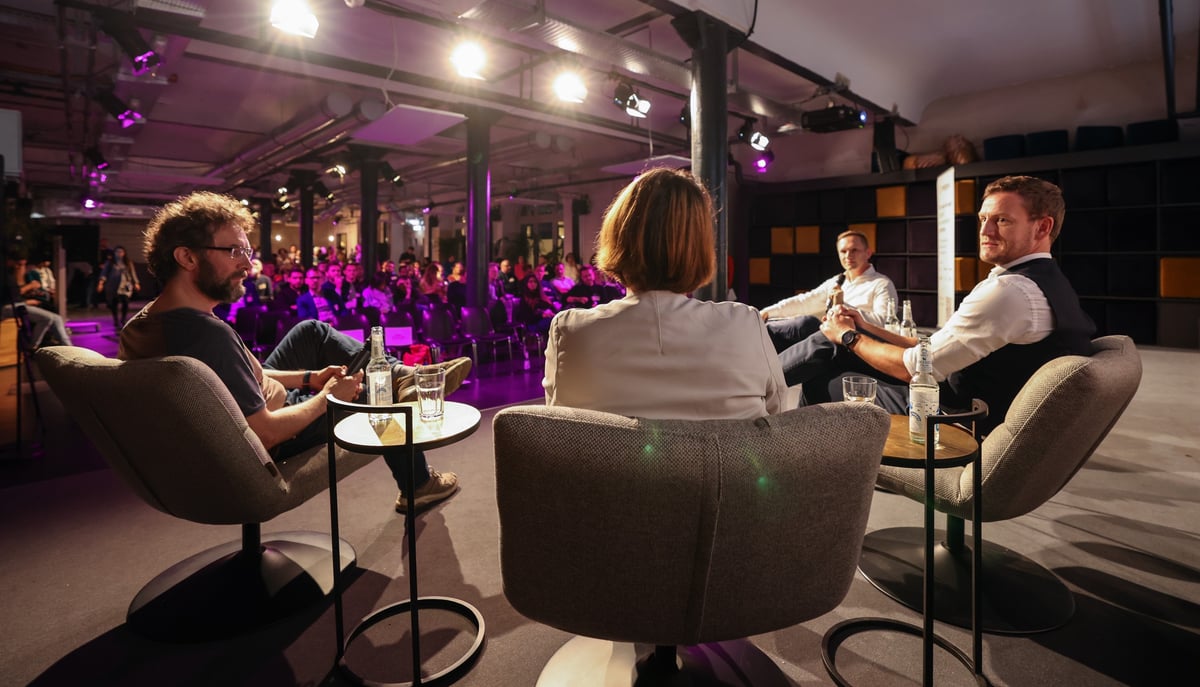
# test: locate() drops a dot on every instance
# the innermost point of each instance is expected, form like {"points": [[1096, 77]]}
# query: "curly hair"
{"points": [[190, 221]]}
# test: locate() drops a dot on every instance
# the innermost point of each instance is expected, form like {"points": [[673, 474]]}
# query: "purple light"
{"points": [[90, 204], [761, 164], [146, 61], [425, 210]]}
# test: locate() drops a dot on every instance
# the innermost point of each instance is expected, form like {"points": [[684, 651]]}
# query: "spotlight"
{"points": [[685, 116], [124, 114], [120, 27], [322, 190], [90, 203], [338, 169], [387, 172], [626, 97], [468, 59], [833, 118], [569, 87], [282, 190], [764, 161], [93, 156], [294, 17], [759, 141], [748, 134]]}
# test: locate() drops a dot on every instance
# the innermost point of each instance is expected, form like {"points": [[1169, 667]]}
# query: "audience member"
{"points": [[379, 294], [585, 294], [432, 287], [46, 328], [118, 282], [288, 291], [533, 311], [312, 304], [657, 353]]}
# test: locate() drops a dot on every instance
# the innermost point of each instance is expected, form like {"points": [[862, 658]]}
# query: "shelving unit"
{"points": [[1130, 243]]}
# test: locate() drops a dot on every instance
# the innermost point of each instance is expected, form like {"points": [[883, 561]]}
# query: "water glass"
{"points": [[859, 389], [431, 392]]}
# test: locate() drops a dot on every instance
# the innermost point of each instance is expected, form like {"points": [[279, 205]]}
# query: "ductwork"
{"points": [[334, 119]]}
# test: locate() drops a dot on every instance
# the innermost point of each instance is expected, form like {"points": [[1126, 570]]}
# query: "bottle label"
{"points": [[922, 402]]}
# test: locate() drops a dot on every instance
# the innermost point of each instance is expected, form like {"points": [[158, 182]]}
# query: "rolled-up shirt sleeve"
{"points": [[1003, 309]]}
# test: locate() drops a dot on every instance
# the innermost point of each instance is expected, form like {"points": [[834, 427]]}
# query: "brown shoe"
{"points": [[456, 371], [441, 486]]}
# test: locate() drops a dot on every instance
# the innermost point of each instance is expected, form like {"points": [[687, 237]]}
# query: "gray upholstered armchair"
{"points": [[171, 430], [668, 532], [1052, 427]]}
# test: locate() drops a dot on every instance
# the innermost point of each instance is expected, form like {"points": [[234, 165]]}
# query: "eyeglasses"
{"points": [[235, 252]]}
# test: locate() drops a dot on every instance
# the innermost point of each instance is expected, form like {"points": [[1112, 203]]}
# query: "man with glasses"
{"points": [[1024, 314], [197, 249]]}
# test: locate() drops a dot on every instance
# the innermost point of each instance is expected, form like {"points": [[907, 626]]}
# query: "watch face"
{"points": [[848, 338]]}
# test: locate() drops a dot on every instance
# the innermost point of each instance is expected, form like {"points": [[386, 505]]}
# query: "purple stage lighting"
{"points": [[90, 204], [764, 161]]}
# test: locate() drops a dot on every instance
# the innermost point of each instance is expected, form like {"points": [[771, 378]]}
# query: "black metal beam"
{"points": [[1166, 24]]}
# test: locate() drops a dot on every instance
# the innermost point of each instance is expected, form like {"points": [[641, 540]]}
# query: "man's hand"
{"points": [[843, 310], [345, 387], [319, 379], [836, 324]]}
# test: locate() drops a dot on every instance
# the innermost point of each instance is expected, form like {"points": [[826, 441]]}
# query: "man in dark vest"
{"points": [[1022, 315]]}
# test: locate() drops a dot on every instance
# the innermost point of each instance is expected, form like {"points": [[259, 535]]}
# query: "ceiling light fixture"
{"points": [[97, 160], [749, 133], [124, 114], [322, 190], [569, 87], [390, 174], [120, 27], [468, 59], [294, 17], [759, 141], [627, 98], [764, 161]]}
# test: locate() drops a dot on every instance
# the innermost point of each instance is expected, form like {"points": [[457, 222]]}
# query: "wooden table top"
{"points": [[356, 433], [955, 447]]}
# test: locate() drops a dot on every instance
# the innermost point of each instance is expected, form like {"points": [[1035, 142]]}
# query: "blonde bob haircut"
{"points": [[658, 234]]}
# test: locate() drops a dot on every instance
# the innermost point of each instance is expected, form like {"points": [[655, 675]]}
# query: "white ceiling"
{"points": [[232, 89]]}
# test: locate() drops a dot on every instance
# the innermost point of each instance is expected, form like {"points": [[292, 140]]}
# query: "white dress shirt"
{"points": [[868, 293], [663, 355], [1006, 308]]}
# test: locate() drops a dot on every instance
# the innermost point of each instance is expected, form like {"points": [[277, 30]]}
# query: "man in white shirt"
{"points": [[1024, 314], [800, 346]]}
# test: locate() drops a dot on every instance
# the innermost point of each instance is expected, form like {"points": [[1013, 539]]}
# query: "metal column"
{"points": [[368, 224], [709, 41], [479, 192]]}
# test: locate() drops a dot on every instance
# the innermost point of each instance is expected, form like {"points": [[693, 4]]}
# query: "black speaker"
{"points": [[433, 221], [581, 206], [495, 214], [885, 145]]}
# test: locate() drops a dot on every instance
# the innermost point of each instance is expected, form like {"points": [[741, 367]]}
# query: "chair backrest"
{"points": [[437, 324], [170, 428], [1053, 426], [475, 321], [681, 532], [353, 324]]}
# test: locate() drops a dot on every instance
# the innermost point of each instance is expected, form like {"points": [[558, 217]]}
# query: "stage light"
{"points": [[468, 59], [90, 203], [338, 169], [390, 174], [764, 161], [124, 114], [569, 87], [282, 190], [626, 98], [120, 27], [294, 17], [93, 156], [322, 190], [685, 116], [759, 141], [833, 118]]}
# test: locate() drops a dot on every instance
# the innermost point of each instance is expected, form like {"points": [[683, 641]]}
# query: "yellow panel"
{"points": [[781, 241], [808, 239], [866, 229], [760, 271], [890, 201], [984, 268], [8, 342], [1179, 277], [964, 196], [966, 273]]}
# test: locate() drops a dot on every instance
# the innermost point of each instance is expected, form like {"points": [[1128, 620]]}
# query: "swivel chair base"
{"points": [[589, 662], [1019, 595], [237, 587]]}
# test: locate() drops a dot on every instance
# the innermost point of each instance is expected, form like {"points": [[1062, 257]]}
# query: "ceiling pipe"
{"points": [[331, 108], [367, 110], [1166, 23]]}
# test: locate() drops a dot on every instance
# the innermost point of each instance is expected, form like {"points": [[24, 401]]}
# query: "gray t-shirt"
{"points": [[205, 337]]}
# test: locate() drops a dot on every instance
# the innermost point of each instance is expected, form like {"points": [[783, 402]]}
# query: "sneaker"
{"points": [[441, 486], [456, 371]]}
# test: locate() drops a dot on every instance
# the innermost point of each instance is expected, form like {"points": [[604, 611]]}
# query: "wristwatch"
{"points": [[850, 338], [307, 378]]}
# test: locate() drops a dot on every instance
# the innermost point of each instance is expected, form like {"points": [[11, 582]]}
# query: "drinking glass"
{"points": [[859, 389], [431, 392]]}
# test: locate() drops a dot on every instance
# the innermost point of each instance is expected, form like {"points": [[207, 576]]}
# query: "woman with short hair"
{"points": [[657, 353]]}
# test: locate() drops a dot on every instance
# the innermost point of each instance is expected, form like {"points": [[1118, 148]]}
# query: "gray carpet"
{"points": [[1124, 535]]}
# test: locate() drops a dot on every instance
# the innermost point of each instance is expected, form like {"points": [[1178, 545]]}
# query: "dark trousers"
{"points": [[312, 345]]}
